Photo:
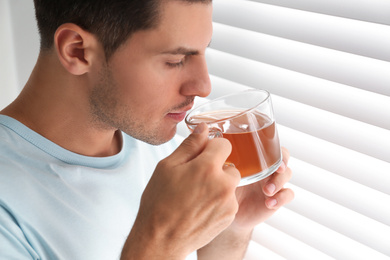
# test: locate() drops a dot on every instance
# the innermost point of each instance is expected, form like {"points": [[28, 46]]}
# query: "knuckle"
{"points": [[222, 142], [236, 176], [164, 164], [282, 177], [235, 207], [189, 142], [286, 196], [210, 168], [230, 207], [289, 173], [226, 143], [223, 193], [286, 153], [228, 196], [291, 194], [231, 214]]}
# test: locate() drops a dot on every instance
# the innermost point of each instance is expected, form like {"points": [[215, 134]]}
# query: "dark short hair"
{"points": [[112, 21]]}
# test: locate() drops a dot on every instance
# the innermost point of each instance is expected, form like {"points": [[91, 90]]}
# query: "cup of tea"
{"points": [[246, 119]]}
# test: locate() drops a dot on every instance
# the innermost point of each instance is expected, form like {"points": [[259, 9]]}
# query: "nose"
{"points": [[197, 81]]}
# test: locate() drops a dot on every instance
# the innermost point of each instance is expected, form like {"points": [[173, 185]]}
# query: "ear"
{"points": [[75, 48]]}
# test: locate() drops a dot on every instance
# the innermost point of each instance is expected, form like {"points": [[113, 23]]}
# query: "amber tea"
{"points": [[246, 119], [253, 137]]}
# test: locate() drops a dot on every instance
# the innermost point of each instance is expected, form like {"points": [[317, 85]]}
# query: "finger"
{"points": [[281, 198], [192, 146], [285, 159], [277, 181]]}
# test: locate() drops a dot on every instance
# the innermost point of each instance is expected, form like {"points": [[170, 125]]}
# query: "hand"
{"points": [[188, 201], [258, 201], [256, 204]]}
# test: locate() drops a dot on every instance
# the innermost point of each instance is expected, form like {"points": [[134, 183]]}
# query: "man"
{"points": [[111, 73]]}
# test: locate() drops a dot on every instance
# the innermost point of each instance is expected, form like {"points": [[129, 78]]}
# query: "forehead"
{"points": [[180, 24], [173, 14]]}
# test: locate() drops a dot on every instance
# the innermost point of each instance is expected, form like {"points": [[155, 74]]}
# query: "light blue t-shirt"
{"points": [[56, 204]]}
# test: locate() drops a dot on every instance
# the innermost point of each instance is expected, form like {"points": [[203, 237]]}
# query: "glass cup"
{"points": [[246, 119]]}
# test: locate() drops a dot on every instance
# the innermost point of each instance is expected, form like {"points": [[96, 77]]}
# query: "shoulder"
{"points": [[15, 160], [8, 148]]}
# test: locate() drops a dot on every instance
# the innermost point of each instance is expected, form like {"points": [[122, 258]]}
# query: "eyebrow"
{"points": [[183, 51]]}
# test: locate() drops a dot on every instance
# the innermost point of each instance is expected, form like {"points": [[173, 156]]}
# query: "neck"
{"points": [[55, 104]]}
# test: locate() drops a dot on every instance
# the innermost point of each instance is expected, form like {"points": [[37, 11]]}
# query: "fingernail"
{"points": [[199, 128], [272, 203], [270, 188]]}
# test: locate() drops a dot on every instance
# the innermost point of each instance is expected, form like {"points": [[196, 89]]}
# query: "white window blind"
{"points": [[8, 89], [327, 64]]}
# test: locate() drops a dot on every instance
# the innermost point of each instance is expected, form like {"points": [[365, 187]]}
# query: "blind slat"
{"points": [[322, 238], [345, 68], [353, 36], [341, 99], [350, 194], [350, 133], [285, 244], [256, 251], [347, 222], [376, 11], [350, 164]]}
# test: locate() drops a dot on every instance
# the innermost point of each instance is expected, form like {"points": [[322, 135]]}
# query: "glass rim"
{"points": [[223, 97]]}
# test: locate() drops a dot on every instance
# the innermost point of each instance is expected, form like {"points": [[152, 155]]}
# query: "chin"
{"points": [[160, 136], [169, 134]]}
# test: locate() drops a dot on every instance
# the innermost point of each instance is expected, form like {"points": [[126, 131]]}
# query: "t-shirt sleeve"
{"points": [[13, 243]]}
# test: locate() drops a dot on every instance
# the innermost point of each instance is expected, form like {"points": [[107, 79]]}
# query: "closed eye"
{"points": [[176, 64]]}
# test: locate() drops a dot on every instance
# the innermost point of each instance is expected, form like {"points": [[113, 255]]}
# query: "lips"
{"points": [[179, 115]]}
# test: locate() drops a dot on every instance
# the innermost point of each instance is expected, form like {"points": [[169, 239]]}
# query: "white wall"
{"points": [[19, 45]]}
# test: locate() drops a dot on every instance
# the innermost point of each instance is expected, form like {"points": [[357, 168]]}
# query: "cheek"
{"points": [[144, 95], [149, 87]]}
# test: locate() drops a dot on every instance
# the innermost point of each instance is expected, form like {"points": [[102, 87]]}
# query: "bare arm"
{"points": [[229, 245], [257, 202]]}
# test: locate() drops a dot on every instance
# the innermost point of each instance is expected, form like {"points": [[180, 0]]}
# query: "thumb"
{"points": [[192, 146]]}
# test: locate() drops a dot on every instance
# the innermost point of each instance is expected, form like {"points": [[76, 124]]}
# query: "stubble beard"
{"points": [[108, 114]]}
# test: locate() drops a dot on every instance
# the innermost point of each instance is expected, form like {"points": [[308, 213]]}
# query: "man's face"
{"points": [[151, 81]]}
